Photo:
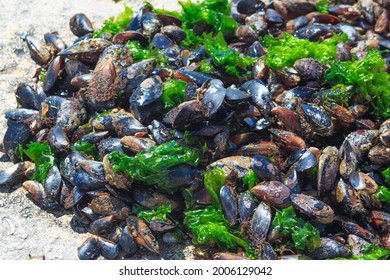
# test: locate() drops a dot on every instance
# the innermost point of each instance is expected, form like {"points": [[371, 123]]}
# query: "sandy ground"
{"points": [[26, 231]]}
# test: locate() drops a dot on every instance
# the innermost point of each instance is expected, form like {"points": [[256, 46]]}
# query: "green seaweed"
{"points": [[152, 167], [140, 53], [323, 6], [250, 180], [386, 175], [115, 25], [213, 181], [42, 75], [304, 234], [159, 214], [43, 157], [383, 194], [209, 226], [213, 13], [368, 78], [370, 252], [285, 51], [88, 148], [173, 93], [230, 61]]}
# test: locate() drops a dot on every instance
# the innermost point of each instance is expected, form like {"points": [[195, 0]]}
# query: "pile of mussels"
{"points": [[95, 135]]}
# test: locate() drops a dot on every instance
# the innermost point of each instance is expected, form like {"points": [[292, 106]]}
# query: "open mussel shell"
{"points": [[142, 234]]}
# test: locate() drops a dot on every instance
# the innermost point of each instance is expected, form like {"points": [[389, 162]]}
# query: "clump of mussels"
{"points": [[259, 128]]}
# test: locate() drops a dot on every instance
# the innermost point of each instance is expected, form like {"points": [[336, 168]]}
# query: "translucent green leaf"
{"points": [[173, 92], [159, 214], [304, 234], [285, 51], [152, 167], [43, 157], [368, 78], [323, 6], [88, 148], [250, 180], [114, 25], [213, 181], [383, 194], [370, 252], [209, 226]]}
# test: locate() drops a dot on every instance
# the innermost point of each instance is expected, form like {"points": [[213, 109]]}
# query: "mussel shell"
{"points": [[348, 199], [28, 98], [181, 175], [313, 207], [53, 72], [268, 252], [108, 249], [16, 174], [185, 114], [229, 204], [249, 6], [53, 183], [213, 98], [147, 92], [142, 234], [86, 182], [124, 36], [161, 226], [261, 222], [86, 50], [37, 192], [55, 42], [80, 25], [17, 134], [39, 51], [265, 169], [287, 139], [131, 77], [328, 165], [273, 192], [106, 204], [330, 249], [128, 246], [103, 225], [228, 256], [318, 118], [58, 140], [89, 250]]}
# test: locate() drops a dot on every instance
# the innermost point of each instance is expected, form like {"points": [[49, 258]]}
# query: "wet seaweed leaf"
{"points": [[304, 234], [209, 226], [114, 25], [43, 157], [213, 181], [323, 6], [159, 214], [370, 252], [383, 194], [230, 61], [250, 180], [88, 148], [285, 51], [173, 92], [368, 78], [152, 167]]}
